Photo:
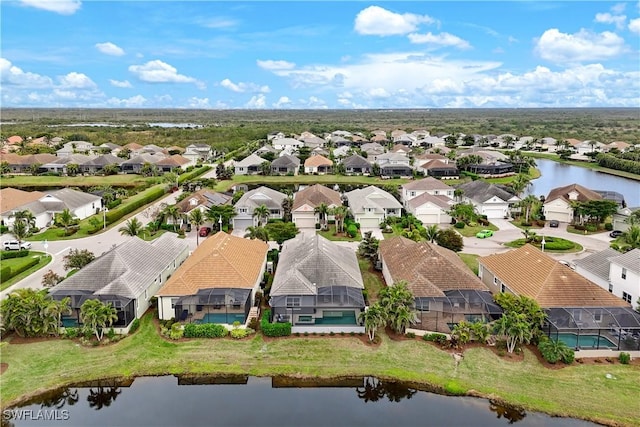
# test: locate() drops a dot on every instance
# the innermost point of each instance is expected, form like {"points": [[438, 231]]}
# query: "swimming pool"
{"points": [[584, 341], [228, 318]]}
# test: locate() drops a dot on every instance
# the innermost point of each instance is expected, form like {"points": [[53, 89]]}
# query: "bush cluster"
{"points": [[205, 330], [553, 351], [14, 254], [459, 224], [239, 333], [114, 203], [151, 195], [190, 174], [555, 244], [134, 326], [7, 272], [439, 338], [624, 358], [274, 329]]}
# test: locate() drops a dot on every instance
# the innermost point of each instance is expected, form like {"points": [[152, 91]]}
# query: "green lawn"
{"points": [[308, 179], [533, 174], [17, 262], [120, 180], [372, 278], [330, 235], [470, 231], [551, 242], [471, 260], [572, 229], [582, 391]]}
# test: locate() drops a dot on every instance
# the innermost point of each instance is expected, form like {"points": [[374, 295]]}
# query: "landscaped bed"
{"points": [[552, 244]]}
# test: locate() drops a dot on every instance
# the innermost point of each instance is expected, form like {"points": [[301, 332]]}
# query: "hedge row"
{"points": [[14, 254], [150, 195], [7, 272], [274, 329], [114, 203], [187, 176], [205, 330]]}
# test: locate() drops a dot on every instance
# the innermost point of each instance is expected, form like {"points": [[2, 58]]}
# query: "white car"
{"points": [[14, 245]]}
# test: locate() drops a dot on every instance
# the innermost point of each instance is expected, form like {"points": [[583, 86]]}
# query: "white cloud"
{"points": [[619, 8], [132, 102], [634, 25], [607, 18], [195, 102], [256, 102], [442, 39], [244, 87], [14, 76], [275, 65], [75, 80], [120, 83], [63, 7], [582, 46], [217, 23], [160, 72], [377, 21], [283, 102], [109, 48]]}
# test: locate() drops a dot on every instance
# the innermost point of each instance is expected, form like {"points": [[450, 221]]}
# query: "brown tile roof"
{"points": [[221, 261], [204, 197], [175, 160], [428, 183], [400, 147], [530, 272], [584, 194], [429, 269], [317, 160], [11, 198], [11, 158], [438, 164], [573, 142], [133, 146], [430, 156], [15, 139], [316, 194]]}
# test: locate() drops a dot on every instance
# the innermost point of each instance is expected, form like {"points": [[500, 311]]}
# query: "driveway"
{"points": [[375, 232]]}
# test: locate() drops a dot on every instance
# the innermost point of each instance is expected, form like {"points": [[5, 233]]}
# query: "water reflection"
{"points": [[511, 414], [375, 389], [102, 397]]}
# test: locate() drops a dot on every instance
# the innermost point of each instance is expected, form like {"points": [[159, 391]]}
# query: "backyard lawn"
{"points": [[471, 260], [373, 281], [580, 390], [15, 263]]}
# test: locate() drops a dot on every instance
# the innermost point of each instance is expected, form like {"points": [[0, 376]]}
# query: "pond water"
{"points": [[250, 401], [556, 174]]}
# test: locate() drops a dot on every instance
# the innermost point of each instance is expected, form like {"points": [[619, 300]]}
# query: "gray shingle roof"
{"points": [[74, 199], [356, 161], [629, 260], [481, 191], [261, 196], [309, 262], [286, 161], [371, 197], [439, 200], [251, 160], [598, 263], [127, 270]]}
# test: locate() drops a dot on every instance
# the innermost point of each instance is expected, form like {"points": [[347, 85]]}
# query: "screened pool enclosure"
{"points": [[214, 305], [616, 328], [125, 307]]}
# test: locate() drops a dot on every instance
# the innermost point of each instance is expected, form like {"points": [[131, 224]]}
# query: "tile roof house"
{"points": [[373, 150], [97, 164], [60, 164], [438, 168], [356, 165], [203, 200], [444, 288], [288, 144], [558, 203], [126, 276], [318, 164], [74, 147], [174, 162], [11, 200], [285, 165], [317, 286], [488, 199], [24, 164], [306, 200], [250, 165], [217, 283], [252, 199], [372, 205]]}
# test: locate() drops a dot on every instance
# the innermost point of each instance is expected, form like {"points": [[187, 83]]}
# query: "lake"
{"points": [[556, 174], [250, 401]]}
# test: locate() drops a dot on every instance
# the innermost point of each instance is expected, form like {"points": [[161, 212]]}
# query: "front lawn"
{"points": [[331, 234], [571, 228], [472, 230], [579, 390], [552, 244], [15, 263]]}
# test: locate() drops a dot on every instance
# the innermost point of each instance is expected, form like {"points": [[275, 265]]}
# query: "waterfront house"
{"points": [[318, 164], [488, 199], [250, 165], [356, 165], [285, 165], [559, 203]]}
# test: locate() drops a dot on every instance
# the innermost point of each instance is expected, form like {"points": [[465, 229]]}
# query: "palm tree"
{"points": [[520, 183], [373, 318], [457, 194], [259, 233], [322, 210], [57, 309], [132, 227], [196, 217], [97, 316], [173, 213], [287, 206], [632, 236], [515, 328], [20, 231], [262, 213], [402, 318], [65, 218], [528, 203], [340, 213], [26, 216], [221, 212], [431, 233]]}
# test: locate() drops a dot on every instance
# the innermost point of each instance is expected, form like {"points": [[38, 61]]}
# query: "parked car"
{"points": [[615, 233], [554, 223], [484, 233], [14, 245], [204, 231]]}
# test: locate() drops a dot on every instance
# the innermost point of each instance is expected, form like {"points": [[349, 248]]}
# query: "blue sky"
{"points": [[314, 55]]}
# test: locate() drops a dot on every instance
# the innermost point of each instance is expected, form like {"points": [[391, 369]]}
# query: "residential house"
{"points": [[589, 146], [342, 151], [357, 165], [109, 147], [134, 148], [379, 139], [174, 162], [318, 164], [127, 277], [574, 304], [60, 164], [13, 200], [559, 204], [307, 200], [198, 152], [312, 141], [152, 149], [136, 163], [75, 147], [488, 199], [595, 267], [430, 209], [339, 141], [432, 141], [203, 199], [618, 145], [285, 165], [394, 164], [373, 150], [252, 199], [97, 164], [401, 148], [266, 149], [429, 185], [320, 151], [445, 290], [620, 219], [250, 165], [275, 135], [624, 276], [317, 286], [372, 205], [26, 164], [288, 144], [217, 283]]}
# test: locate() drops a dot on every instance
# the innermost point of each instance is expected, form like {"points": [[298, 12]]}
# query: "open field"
{"points": [[579, 390]]}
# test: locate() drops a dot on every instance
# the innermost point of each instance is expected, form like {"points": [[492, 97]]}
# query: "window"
{"points": [[503, 288], [293, 301], [243, 210], [435, 193], [412, 193], [173, 303], [160, 278], [626, 297], [145, 294], [624, 273], [597, 316], [611, 287]]}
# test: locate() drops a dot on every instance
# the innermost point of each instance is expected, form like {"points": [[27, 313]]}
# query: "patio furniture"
{"points": [[184, 315]]}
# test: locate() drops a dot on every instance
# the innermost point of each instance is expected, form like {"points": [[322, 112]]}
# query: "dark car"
{"points": [[616, 233], [204, 231], [554, 223]]}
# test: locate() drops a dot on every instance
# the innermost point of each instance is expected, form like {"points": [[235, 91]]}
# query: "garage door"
{"points": [[242, 224], [429, 218], [369, 222], [558, 216], [305, 222], [494, 213]]}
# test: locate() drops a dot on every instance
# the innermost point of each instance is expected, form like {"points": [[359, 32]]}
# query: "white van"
{"points": [[14, 245]]}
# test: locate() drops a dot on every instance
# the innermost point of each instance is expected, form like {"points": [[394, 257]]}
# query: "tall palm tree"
{"points": [[457, 194], [339, 213], [196, 217], [259, 233], [287, 206], [132, 227], [221, 212], [57, 309], [373, 318], [97, 316], [262, 212], [528, 204], [520, 183], [173, 213], [65, 218], [20, 231], [323, 211]]}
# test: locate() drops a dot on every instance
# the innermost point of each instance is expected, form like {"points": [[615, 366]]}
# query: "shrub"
{"points": [[253, 324], [591, 228], [239, 333], [274, 329], [134, 326], [14, 254], [3, 229], [608, 226], [112, 204], [459, 224], [410, 335], [206, 330], [552, 351], [5, 273], [352, 230], [624, 358], [176, 331], [71, 333], [438, 338], [111, 333]]}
